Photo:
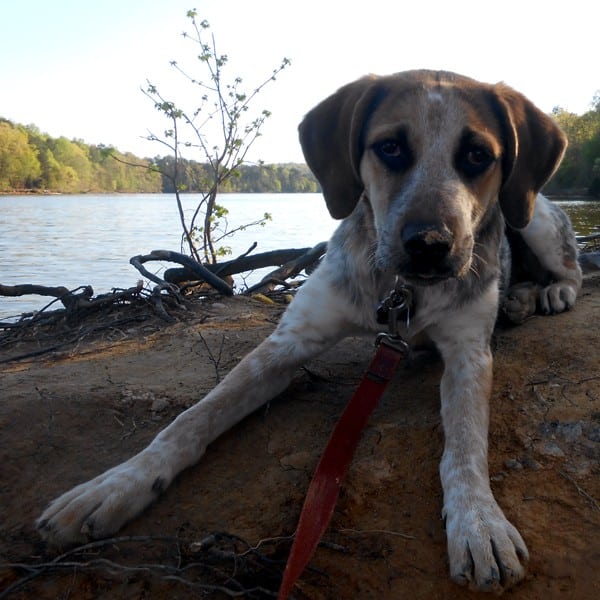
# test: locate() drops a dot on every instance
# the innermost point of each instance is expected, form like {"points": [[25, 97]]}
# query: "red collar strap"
{"points": [[327, 480]]}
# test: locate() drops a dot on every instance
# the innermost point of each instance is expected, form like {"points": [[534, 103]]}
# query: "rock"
{"points": [[550, 449], [513, 464], [159, 404]]}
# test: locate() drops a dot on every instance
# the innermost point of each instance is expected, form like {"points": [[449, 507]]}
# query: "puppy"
{"points": [[428, 172]]}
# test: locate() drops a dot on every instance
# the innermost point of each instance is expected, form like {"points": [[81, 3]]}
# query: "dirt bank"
{"points": [[70, 414]]}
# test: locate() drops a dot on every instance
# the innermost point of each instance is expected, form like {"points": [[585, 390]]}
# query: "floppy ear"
{"points": [[534, 148], [330, 136]]}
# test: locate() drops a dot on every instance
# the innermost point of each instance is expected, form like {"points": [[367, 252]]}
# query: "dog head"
{"points": [[433, 154]]}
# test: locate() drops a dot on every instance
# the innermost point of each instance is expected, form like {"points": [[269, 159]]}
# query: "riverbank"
{"points": [[89, 405]]}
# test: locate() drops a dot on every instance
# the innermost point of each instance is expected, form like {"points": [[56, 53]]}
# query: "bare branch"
{"points": [[225, 104]]}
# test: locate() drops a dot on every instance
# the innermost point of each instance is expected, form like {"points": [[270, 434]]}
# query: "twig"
{"points": [[581, 491], [215, 361], [180, 573], [382, 531]]}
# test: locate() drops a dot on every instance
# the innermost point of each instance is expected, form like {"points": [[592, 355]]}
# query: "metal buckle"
{"points": [[393, 341], [395, 311]]}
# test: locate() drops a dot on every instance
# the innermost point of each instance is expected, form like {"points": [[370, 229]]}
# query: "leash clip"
{"points": [[395, 312]]}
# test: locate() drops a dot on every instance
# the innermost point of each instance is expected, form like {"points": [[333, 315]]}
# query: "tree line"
{"points": [[34, 161], [579, 172]]}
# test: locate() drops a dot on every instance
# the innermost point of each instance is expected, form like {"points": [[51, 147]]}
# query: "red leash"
{"points": [[327, 480]]}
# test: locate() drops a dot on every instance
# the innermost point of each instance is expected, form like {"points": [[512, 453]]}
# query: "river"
{"points": [[88, 239]]}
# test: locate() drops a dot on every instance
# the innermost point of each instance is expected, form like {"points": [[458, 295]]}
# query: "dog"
{"points": [[436, 180]]}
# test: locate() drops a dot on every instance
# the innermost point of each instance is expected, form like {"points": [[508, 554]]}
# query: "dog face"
{"points": [[432, 154]]}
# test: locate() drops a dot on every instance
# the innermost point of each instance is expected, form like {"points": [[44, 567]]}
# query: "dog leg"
{"points": [[551, 239], [485, 551], [100, 507]]}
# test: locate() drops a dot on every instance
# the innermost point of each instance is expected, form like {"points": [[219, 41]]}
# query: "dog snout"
{"points": [[427, 245]]}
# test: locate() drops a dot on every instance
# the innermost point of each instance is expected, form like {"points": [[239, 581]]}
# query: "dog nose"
{"points": [[426, 243]]}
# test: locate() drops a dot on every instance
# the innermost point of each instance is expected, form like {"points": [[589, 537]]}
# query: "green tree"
{"points": [[19, 165], [76, 168], [578, 170]]}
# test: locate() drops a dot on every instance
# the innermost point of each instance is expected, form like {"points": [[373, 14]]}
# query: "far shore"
{"points": [[560, 195]]}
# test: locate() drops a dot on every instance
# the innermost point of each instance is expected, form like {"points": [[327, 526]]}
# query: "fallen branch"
{"points": [[289, 269], [290, 263], [200, 271], [245, 263], [27, 289], [68, 297]]}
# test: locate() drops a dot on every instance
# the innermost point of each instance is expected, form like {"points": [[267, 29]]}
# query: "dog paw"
{"points": [[486, 552], [101, 506], [520, 302], [557, 297]]}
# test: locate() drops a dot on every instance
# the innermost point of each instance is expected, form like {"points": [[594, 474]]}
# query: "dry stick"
{"points": [[289, 269], [581, 491], [216, 361], [172, 573], [111, 566]]}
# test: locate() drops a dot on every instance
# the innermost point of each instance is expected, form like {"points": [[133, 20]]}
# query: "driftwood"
{"points": [[71, 299], [82, 315], [199, 272], [79, 302], [307, 259], [289, 262], [237, 265]]}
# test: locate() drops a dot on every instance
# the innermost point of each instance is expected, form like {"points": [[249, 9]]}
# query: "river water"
{"points": [[89, 239]]}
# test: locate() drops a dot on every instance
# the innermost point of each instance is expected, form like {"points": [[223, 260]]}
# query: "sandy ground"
{"points": [[68, 415]]}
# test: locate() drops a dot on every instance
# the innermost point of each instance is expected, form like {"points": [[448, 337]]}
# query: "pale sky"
{"points": [[75, 67]]}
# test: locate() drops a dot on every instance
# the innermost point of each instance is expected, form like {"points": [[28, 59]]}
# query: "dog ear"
{"points": [[534, 147], [330, 136]]}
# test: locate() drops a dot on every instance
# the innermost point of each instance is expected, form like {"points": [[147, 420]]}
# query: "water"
{"points": [[88, 240], [584, 214], [80, 240]]}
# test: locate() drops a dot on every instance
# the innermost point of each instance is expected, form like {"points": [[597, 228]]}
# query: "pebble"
{"points": [[530, 463], [550, 449], [159, 405], [513, 464]]}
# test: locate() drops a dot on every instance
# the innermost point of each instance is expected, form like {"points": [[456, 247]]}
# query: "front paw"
{"points": [[520, 302], [101, 506], [557, 297], [485, 551]]}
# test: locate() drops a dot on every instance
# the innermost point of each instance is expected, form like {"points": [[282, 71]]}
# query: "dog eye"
{"points": [[475, 161], [395, 154]]}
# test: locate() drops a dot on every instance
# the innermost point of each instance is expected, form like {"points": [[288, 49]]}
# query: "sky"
{"points": [[75, 68]]}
